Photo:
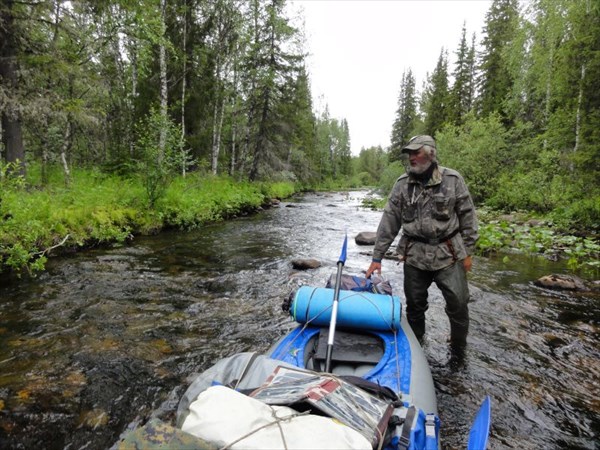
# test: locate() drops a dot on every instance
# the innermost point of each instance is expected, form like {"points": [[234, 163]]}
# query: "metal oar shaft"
{"points": [[336, 298]]}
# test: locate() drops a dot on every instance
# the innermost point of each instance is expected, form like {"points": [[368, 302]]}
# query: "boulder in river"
{"points": [[365, 238], [305, 264], [564, 282]]}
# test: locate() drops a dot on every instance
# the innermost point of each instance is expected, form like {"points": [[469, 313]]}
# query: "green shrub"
{"points": [[192, 201], [528, 191], [158, 166], [363, 179], [479, 151], [579, 214], [279, 190], [389, 176]]}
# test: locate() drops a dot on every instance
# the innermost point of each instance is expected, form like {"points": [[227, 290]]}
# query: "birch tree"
{"points": [[163, 83]]}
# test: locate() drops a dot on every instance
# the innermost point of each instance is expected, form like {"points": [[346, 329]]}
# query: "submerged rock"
{"points": [[305, 264], [564, 282]]}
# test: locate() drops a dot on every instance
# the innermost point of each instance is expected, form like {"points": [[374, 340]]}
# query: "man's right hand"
{"points": [[468, 263], [374, 267]]}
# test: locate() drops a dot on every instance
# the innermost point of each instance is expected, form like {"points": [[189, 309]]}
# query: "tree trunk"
{"points": [[548, 95], [214, 151], [332, 156], [232, 160], [45, 156], [134, 82], [244, 153], [578, 115], [12, 137], [259, 148], [220, 112], [64, 149], [216, 131], [183, 93], [163, 83], [234, 118], [13, 140]]}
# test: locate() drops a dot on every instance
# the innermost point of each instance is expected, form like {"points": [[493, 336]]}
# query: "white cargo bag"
{"points": [[230, 419]]}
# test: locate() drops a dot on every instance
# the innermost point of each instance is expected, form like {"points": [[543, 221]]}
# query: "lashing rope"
{"points": [[277, 422]]}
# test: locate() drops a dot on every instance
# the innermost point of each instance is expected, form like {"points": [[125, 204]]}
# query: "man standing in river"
{"points": [[433, 207]]}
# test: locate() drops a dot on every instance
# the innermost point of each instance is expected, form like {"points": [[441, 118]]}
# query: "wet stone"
{"points": [[365, 238], [564, 282], [305, 264]]}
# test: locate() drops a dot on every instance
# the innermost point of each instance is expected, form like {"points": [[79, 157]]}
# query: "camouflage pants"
{"points": [[452, 281]]}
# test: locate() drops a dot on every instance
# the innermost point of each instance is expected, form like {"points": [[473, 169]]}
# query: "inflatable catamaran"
{"points": [[350, 375]]}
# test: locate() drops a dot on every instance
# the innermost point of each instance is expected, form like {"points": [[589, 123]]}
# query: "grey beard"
{"points": [[419, 168]]}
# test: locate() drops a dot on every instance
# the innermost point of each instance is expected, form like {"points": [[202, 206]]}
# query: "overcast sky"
{"points": [[359, 49]]}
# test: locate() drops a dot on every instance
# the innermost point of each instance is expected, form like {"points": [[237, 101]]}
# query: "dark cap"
{"points": [[417, 142]]}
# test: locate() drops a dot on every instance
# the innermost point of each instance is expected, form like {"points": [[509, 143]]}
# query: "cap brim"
{"points": [[412, 147]]}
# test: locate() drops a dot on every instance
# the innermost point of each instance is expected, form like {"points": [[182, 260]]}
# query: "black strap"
{"points": [[431, 241], [380, 391], [404, 439]]}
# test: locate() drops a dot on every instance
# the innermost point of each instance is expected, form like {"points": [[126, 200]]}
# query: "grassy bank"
{"points": [[99, 209], [523, 232]]}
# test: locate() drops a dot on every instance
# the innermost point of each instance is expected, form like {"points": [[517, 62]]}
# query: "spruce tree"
{"points": [[406, 115], [297, 130], [461, 93], [272, 66], [14, 42], [496, 79], [344, 152], [436, 105]]}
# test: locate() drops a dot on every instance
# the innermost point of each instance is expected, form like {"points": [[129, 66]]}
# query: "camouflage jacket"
{"points": [[428, 215]]}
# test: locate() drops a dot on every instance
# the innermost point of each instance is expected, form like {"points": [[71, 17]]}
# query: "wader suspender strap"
{"points": [[404, 440], [451, 248], [406, 249]]}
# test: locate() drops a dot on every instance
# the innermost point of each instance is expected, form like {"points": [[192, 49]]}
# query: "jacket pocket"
{"points": [[443, 207], [409, 213]]}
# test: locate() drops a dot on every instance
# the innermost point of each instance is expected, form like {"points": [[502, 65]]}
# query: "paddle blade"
{"points": [[344, 248], [480, 431]]}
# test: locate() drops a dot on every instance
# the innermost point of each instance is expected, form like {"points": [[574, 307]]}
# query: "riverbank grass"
{"points": [[99, 209]]}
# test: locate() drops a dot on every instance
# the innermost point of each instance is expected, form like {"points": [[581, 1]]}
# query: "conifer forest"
{"points": [[156, 95]]}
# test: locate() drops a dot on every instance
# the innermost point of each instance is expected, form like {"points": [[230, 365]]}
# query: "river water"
{"points": [[106, 337]]}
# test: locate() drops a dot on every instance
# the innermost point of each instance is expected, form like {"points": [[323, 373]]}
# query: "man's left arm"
{"points": [[467, 220]]}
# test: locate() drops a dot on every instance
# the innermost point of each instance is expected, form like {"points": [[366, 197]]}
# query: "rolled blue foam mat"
{"points": [[356, 310]]}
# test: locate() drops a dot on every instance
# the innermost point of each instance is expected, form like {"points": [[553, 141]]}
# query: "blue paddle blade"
{"points": [[344, 248], [480, 431]]}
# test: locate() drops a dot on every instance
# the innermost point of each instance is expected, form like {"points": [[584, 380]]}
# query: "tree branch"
{"points": [[60, 244]]}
